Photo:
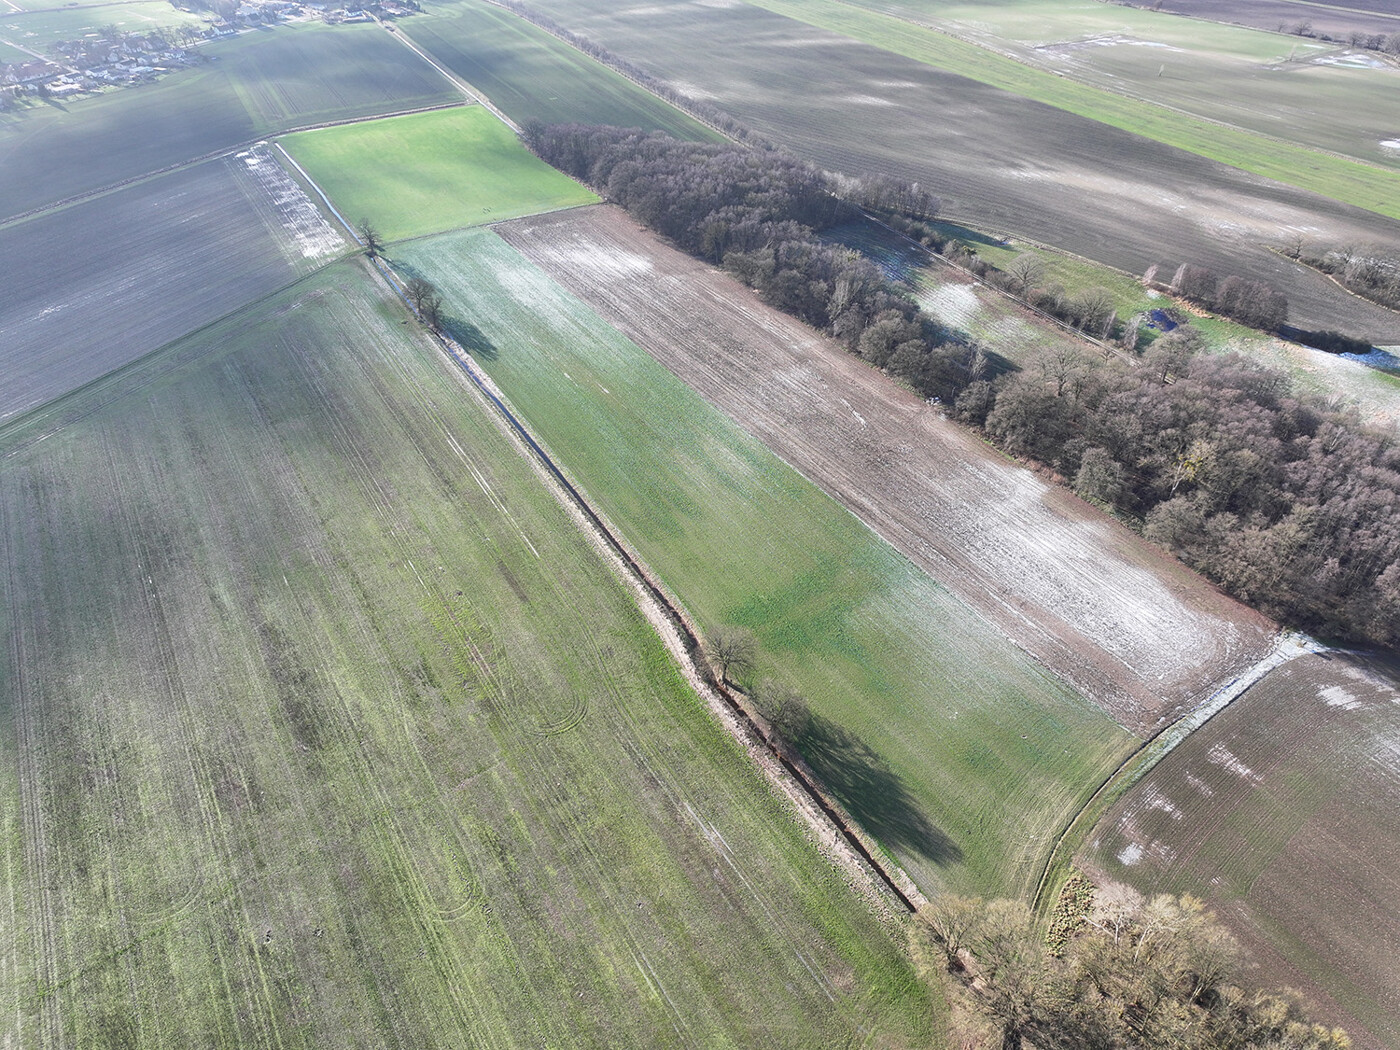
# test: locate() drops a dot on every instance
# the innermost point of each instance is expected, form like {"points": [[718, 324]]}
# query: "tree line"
{"points": [[1283, 498], [1132, 974], [757, 214]]}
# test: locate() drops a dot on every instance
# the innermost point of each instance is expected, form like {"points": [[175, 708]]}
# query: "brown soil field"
{"points": [[999, 161], [1336, 20], [1284, 813], [1130, 627]]}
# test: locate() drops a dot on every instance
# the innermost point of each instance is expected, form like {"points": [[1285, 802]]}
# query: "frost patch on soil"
{"points": [[1062, 47], [615, 262], [1336, 696], [1153, 798], [1130, 854], [1392, 145], [314, 237], [1351, 61], [954, 304], [1199, 784], [694, 91], [1223, 757], [868, 100]]}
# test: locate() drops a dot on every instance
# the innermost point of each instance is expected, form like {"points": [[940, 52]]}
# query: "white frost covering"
{"points": [[314, 237], [1130, 854], [615, 262], [1222, 756], [1336, 696]]}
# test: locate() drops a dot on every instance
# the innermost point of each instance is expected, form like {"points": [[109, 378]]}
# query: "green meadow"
{"points": [[431, 172]]}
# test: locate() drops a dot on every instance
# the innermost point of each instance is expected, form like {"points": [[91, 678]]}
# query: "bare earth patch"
{"points": [[1130, 627]]}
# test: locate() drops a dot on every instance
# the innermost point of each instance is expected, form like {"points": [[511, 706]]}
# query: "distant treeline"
{"points": [[756, 213], [1283, 498]]}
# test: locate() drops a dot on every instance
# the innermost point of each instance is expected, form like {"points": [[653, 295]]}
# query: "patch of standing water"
{"points": [[1382, 358]]}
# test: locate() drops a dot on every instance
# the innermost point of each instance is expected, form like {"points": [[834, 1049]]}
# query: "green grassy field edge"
{"points": [[1350, 182]]}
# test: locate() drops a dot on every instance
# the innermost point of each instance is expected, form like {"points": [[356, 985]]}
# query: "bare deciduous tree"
{"points": [[370, 238], [732, 650]]}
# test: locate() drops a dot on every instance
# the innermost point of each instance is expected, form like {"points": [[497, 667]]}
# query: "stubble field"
{"points": [[953, 749], [254, 85], [111, 279], [1282, 813], [1127, 625], [323, 725], [997, 159], [431, 172]]}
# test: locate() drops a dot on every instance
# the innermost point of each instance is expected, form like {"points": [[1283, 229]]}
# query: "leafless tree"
{"points": [[732, 650]]}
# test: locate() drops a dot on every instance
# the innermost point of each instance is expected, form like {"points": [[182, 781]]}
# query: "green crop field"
{"points": [[1336, 177], [531, 75], [960, 755], [42, 29], [255, 84], [323, 725], [1284, 86], [1282, 812], [431, 172]]}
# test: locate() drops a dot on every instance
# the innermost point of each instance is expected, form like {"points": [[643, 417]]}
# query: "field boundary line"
{"points": [[227, 151], [11, 445], [320, 193], [559, 34], [888, 877], [1288, 646], [461, 85]]}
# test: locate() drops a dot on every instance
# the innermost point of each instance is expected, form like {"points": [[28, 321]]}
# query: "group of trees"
{"points": [[756, 213], [1254, 303], [1139, 974], [1371, 271], [1284, 499], [732, 653]]}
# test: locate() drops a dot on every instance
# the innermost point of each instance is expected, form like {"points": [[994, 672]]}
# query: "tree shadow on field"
{"points": [[873, 793], [471, 338]]}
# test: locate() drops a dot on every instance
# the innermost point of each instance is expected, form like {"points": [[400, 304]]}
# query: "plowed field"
{"points": [[1129, 626], [1284, 812]]}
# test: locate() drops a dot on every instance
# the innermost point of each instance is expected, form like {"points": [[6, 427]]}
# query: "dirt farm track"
{"points": [[1128, 626]]}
